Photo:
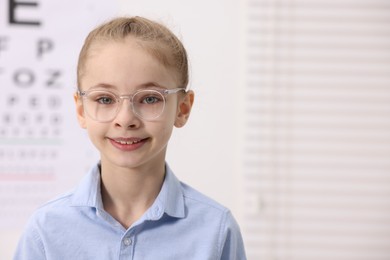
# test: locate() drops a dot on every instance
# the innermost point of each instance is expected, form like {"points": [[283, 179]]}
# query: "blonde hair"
{"points": [[155, 38]]}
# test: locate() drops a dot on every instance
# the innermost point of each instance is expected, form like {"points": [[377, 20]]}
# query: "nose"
{"points": [[126, 117]]}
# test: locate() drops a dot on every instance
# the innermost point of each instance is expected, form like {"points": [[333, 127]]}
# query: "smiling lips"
{"points": [[128, 144]]}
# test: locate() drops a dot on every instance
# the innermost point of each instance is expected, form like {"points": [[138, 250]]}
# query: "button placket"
{"points": [[126, 248]]}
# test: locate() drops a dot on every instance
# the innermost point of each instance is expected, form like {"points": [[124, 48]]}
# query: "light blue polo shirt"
{"points": [[181, 224]]}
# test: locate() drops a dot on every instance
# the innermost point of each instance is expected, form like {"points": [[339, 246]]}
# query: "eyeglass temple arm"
{"points": [[175, 90]]}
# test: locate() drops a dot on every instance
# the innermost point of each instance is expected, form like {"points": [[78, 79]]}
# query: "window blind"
{"points": [[316, 135]]}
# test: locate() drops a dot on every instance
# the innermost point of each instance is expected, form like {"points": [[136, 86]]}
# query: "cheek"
{"points": [[162, 130], [95, 132], [167, 132]]}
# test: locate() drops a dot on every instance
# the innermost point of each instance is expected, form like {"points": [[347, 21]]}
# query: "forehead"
{"points": [[125, 62]]}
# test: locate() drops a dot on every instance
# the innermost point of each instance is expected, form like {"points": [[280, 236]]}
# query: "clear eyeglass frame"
{"points": [[118, 101]]}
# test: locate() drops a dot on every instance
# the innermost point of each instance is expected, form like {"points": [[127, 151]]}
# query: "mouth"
{"points": [[128, 144]]}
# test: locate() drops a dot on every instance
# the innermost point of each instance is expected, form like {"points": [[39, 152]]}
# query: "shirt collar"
{"points": [[170, 200], [171, 197]]}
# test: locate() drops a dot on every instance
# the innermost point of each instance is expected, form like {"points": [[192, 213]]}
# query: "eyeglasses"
{"points": [[103, 106]]}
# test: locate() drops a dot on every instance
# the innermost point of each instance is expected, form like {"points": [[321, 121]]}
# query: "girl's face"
{"points": [[127, 141]]}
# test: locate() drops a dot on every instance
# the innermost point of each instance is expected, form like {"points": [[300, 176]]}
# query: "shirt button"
{"points": [[127, 241]]}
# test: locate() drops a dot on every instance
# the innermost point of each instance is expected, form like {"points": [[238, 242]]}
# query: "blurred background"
{"points": [[290, 127]]}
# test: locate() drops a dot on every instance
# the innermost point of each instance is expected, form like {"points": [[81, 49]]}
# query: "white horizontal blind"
{"points": [[317, 130]]}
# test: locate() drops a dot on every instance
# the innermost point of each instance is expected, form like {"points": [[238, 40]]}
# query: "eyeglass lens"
{"points": [[103, 106]]}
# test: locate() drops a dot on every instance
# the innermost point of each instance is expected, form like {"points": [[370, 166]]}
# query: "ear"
{"points": [[184, 109], [79, 110]]}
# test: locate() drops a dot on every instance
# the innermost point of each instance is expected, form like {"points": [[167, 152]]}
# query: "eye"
{"points": [[150, 100], [102, 98], [105, 100]]}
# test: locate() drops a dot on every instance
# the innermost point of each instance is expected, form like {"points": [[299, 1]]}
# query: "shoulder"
{"points": [[201, 205], [217, 220], [55, 206], [180, 194], [85, 194], [63, 199], [31, 242], [195, 197]]}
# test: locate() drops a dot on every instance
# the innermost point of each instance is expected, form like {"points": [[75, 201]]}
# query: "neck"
{"points": [[128, 193]]}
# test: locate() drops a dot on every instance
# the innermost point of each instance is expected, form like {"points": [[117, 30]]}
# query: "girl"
{"points": [[132, 79]]}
